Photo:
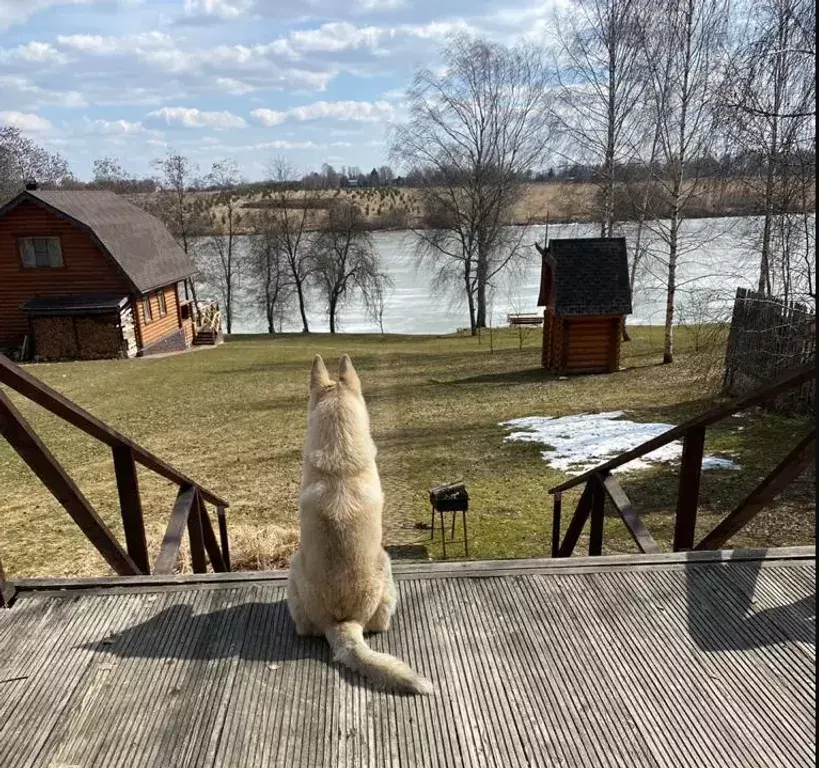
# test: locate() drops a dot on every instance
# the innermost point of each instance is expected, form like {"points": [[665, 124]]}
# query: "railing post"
{"points": [[6, 589], [197, 541], [597, 517], [223, 535], [558, 503], [211, 545], [130, 504], [689, 491]]}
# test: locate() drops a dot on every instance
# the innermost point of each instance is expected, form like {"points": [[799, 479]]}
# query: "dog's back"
{"points": [[340, 581]]}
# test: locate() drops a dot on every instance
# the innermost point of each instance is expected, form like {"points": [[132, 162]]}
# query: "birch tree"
{"points": [[770, 95], [683, 42], [601, 84]]}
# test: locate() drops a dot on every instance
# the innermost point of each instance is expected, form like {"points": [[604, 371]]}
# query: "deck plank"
{"points": [[685, 663]]}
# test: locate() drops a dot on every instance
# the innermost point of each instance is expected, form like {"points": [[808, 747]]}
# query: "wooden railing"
{"points": [[600, 484], [210, 318], [189, 511]]}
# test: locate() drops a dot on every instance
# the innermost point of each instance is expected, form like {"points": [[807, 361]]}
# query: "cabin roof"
{"points": [[139, 243], [591, 276]]}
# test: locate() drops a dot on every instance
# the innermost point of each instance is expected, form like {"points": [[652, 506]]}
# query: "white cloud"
{"points": [[28, 95], [17, 11], [33, 53], [357, 111], [25, 121], [114, 127], [363, 6], [190, 117], [216, 10], [233, 86], [338, 36], [109, 45], [269, 117]]}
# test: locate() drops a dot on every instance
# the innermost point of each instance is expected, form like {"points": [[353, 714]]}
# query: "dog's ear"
{"points": [[319, 378], [347, 374]]}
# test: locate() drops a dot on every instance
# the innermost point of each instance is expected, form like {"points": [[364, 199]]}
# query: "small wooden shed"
{"points": [[584, 288]]}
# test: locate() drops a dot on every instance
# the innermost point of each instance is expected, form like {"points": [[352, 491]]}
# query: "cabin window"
{"points": [[41, 252], [163, 307], [146, 310]]}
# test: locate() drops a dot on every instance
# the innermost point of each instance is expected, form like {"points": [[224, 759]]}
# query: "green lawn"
{"points": [[233, 418]]}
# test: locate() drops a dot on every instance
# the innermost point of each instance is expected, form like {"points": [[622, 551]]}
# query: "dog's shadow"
{"points": [[261, 632]]}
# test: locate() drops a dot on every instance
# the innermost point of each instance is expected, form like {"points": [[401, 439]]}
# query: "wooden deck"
{"points": [[667, 660]]}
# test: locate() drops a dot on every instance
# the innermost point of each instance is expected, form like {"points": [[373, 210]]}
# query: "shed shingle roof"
{"points": [[139, 243], [591, 276]]}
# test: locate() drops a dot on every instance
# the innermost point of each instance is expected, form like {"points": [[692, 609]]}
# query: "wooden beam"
{"points": [[223, 536], [42, 462], [785, 473], [598, 513], [209, 538], [788, 380], [29, 386], [169, 550], [197, 542], [637, 530], [130, 506], [581, 514], [688, 496]]}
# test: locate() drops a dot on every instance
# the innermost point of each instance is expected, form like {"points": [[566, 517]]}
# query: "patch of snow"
{"points": [[715, 462], [578, 443]]}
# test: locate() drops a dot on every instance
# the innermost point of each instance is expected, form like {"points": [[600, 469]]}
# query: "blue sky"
{"points": [[311, 80]]}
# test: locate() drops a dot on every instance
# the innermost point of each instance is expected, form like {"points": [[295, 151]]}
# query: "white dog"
{"points": [[340, 583]]}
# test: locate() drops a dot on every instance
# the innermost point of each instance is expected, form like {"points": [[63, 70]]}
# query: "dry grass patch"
{"points": [[233, 418]]}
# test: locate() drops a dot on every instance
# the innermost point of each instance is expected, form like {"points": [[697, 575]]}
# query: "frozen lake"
{"points": [[715, 259]]}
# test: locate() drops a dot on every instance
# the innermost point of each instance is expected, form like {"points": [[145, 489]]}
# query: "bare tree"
{"points": [[600, 74], [22, 160], [272, 282], [345, 261], [178, 206], [683, 41], [223, 266], [291, 204], [769, 96], [473, 133]]}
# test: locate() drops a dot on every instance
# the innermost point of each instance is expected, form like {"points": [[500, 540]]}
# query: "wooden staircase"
{"points": [[208, 337]]}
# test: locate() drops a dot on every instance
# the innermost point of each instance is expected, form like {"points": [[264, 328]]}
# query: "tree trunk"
{"points": [[470, 300], [668, 347], [305, 328], [608, 188], [480, 319], [332, 313]]}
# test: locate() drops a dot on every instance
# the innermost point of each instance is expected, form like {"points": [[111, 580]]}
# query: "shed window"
{"points": [[146, 309], [163, 307], [41, 252]]}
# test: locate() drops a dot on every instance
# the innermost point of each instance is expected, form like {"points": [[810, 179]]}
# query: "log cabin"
{"points": [[585, 292], [88, 275]]}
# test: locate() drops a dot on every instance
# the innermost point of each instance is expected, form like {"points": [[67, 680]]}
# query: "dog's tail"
{"points": [[349, 648]]}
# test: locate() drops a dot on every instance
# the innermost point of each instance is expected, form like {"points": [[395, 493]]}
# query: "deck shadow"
{"points": [[254, 632], [722, 615]]}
